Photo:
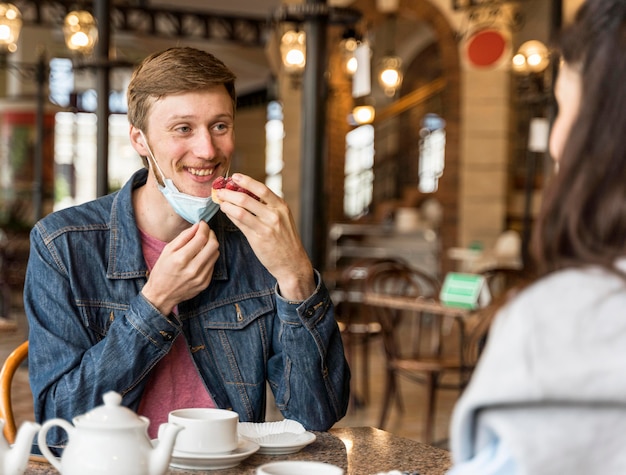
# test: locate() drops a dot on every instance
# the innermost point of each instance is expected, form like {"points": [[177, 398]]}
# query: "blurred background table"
{"points": [[417, 304], [358, 450]]}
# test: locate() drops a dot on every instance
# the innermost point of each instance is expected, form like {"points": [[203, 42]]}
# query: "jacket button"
{"points": [[167, 336]]}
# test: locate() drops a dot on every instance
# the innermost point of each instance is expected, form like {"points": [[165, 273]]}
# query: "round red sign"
{"points": [[486, 47]]}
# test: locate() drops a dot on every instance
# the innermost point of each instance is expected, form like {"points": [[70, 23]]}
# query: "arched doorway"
{"points": [[429, 49]]}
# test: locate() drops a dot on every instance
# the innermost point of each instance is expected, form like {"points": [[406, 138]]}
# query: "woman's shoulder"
{"points": [[572, 287]]}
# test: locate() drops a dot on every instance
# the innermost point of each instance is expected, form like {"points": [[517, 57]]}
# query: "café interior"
{"points": [[396, 130]]}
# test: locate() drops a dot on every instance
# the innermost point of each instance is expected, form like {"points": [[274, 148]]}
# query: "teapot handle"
{"points": [[43, 445]]}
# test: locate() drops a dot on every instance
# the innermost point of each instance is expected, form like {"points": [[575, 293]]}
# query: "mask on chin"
{"points": [[191, 208]]}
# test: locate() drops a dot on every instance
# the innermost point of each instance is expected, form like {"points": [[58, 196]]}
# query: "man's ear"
{"points": [[137, 140]]}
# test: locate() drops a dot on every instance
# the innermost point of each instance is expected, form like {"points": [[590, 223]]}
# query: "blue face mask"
{"points": [[191, 208]]}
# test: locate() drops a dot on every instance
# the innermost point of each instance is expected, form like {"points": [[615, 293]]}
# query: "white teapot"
{"points": [[13, 459], [110, 439]]}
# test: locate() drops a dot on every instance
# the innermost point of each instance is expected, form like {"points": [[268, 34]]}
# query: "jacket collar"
{"points": [[126, 259]]}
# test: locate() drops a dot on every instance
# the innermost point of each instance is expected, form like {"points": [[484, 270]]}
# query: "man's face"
{"points": [[192, 138]]}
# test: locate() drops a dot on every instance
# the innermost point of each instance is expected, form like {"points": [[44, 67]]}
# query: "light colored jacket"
{"points": [[549, 393]]}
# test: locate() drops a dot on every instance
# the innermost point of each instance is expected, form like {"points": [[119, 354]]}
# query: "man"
{"points": [[169, 299]]}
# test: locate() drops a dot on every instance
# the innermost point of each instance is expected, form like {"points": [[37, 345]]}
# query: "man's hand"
{"points": [[269, 227], [184, 269]]}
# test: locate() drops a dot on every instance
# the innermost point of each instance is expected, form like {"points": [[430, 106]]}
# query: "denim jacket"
{"points": [[92, 331]]}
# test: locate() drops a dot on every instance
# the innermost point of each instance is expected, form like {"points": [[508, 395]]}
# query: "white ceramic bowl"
{"points": [[294, 467]]}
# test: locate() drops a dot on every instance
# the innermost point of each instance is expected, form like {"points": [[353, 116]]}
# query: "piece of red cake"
{"points": [[228, 183]]}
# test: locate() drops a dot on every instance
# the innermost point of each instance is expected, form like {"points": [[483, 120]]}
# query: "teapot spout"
{"points": [[162, 453], [16, 459]]}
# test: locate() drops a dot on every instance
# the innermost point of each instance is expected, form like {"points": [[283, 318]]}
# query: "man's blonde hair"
{"points": [[173, 71]]}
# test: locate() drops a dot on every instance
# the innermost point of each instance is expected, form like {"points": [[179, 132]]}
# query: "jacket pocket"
{"points": [[238, 313]]}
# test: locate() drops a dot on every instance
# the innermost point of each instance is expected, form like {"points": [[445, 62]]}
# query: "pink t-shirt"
{"points": [[174, 383]]}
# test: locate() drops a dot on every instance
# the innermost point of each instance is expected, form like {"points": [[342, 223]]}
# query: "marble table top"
{"points": [[358, 450]]}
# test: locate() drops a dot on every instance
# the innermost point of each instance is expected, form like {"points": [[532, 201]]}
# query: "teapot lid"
{"points": [[111, 415]]}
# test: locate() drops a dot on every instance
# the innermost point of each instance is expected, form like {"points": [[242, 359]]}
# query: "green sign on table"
{"points": [[465, 290]]}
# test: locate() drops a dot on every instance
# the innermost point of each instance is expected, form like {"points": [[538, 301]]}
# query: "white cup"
{"points": [[205, 430], [291, 467]]}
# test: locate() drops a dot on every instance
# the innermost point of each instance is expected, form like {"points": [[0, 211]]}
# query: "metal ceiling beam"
{"points": [[159, 22]]}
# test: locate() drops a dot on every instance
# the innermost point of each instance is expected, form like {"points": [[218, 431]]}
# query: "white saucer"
{"points": [[285, 443], [214, 461], [301, 467]]}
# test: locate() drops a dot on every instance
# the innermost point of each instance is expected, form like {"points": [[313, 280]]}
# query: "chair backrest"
{"points": [[348, 296], [502, 280], [7, 372], [353, 277], [412, 336]]}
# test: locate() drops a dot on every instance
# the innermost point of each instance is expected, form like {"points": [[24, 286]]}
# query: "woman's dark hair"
{"points": [[583, 217]]}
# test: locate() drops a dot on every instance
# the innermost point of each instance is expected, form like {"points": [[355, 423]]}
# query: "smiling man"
{"points": [[169, 299]]}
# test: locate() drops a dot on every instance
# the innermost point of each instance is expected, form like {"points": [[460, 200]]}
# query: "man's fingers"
{"points": [[183, 238]]}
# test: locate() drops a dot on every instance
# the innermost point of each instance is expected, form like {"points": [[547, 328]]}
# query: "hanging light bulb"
{"points": [[293, 51], [348, 46], [81, 32], [531, 57], [519, 62], [390, 74], [350, 62], [363, 114], [10, 27]]}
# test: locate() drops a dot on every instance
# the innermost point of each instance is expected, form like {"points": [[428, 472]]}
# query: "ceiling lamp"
{"points": [[10, 26], [362, 115], [293, 51], [390, 74], [81, 31], [531, 57], [348, 47]]}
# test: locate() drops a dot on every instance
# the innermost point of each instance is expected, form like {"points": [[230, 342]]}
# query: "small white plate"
{"points": [[290, 443], [277, 438], [214, 461]]}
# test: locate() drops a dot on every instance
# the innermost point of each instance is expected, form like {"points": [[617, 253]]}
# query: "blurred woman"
{"points": [[549, 394]]}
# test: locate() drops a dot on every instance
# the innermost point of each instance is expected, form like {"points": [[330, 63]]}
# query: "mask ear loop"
{"points": [[145, 142]]}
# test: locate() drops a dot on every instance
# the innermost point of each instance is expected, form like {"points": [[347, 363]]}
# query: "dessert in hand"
{"points": [[228, 183]]}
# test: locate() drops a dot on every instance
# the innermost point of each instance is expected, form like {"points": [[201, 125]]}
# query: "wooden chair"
{"points": [[437, 350], [358, 327], [502, 280], [7, 372]]}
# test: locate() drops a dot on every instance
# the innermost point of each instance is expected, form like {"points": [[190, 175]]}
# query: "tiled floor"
{"points": [[407, 424]]}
